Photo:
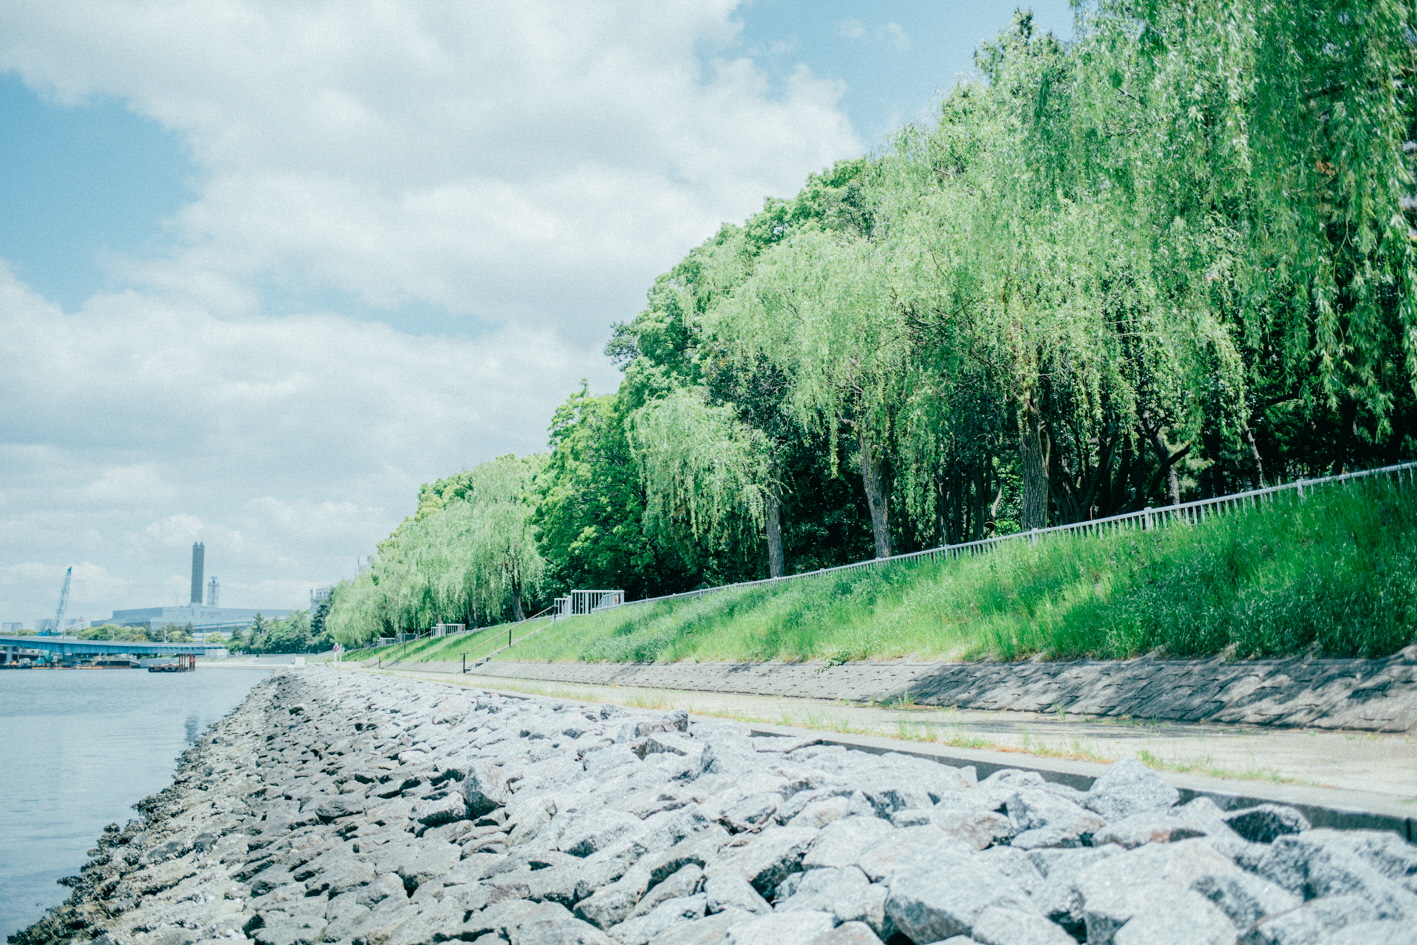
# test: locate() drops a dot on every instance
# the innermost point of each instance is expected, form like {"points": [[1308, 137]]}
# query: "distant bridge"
{"points": [[73, 646]]}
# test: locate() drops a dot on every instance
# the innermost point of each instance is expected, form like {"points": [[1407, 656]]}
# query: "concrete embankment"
{"points": [[340, 807], [1375, 695]]}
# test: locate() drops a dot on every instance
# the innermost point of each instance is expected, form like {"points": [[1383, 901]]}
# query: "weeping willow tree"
{"points": [[1170, 258], [1268, 144], [469, 558], [819, 308], [707, 475]]}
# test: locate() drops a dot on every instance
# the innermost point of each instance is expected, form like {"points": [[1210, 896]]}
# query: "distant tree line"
{"points": [[172, 633], [1169, 259], [300, 632]]}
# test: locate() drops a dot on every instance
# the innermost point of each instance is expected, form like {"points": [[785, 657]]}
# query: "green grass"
{"points": [[1334, 575], [476, 644]]}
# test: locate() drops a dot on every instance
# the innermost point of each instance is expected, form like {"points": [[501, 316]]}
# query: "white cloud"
{"points": [[450, 154], [851, 28], [289, 445], [893, 34], [527, 168]]}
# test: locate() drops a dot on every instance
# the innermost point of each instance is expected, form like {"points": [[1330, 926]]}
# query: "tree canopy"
{"points": [[1170, 258]]}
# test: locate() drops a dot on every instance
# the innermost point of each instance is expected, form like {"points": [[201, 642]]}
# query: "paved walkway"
{"points": [[1379, 767]]}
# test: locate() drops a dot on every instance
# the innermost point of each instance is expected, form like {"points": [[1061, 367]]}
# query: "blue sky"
{"points": [[265, 268], [896, 57]]}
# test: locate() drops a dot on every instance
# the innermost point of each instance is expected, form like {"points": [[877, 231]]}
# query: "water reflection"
{"points": [[79, 748]]}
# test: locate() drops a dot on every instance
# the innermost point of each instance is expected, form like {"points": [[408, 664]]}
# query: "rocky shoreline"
{"points": [[347, 807]]}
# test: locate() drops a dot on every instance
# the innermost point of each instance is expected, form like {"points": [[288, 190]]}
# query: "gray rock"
{"points": [[587, 835], [818, 813], [661, 919], [604, 762], [996, 926], [1383, 850], [1267, 822], [1184, 919], [1245, 898], [766, 860], [848, 933], [1017, 865], [295, 930], [1374, 933], [1152, 826], [1128, 788], [1310, 922], [1114, 890], [333, 808], [846, 893], [883, 859], [698, 849], [1317, 864], [484, 788], [681, 885], [841, 842], [344, 915], [671, 743], [433, 921], [885, 795], [613, 904], [1059, 897], [788, 928], [1047, 820], [444, 810], [751, 813], [711, 930], [978, 828], [937, 894], [731, 892], [348, 873], [417, 863], [817, 890]]}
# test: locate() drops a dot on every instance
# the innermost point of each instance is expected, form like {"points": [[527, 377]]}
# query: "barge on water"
{"points": [[177, 664]]}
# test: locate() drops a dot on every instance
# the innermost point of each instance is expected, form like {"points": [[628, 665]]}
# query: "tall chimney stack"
{"points": [[199, 554]]}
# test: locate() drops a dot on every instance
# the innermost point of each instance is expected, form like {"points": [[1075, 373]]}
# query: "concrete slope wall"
{"points": [[1377, 695]]}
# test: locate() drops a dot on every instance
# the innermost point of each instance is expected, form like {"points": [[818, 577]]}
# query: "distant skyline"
{"points": [[265, 268]]}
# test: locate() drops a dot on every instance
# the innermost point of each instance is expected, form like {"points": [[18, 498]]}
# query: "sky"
{"points": [[266, 266]]}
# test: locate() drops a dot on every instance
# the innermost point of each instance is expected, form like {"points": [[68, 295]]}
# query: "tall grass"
{"points": [[1334, 574]]}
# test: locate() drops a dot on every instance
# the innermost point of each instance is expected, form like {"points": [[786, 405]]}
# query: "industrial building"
{"points": [[204, 617]]}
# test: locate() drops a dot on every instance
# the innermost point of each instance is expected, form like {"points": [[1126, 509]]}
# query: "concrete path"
{"points": [[1369, 772]]}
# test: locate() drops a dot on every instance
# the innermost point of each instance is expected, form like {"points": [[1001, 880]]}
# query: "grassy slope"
{"points": [[1335, 574], [476, 644]]}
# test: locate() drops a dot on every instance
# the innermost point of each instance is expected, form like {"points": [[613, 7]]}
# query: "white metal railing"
{"points": [[1193, 512], [581, 602]]}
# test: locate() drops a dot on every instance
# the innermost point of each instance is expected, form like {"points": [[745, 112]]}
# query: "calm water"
{"points": [[78, 748]]}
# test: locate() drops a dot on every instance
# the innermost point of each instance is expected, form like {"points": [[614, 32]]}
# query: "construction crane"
{"points": [[63, 602]]}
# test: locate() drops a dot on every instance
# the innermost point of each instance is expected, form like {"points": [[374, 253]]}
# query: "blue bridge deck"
{"points": [[72, 646]]}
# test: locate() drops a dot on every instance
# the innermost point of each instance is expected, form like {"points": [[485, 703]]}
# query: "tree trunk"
{"points": [[874, 482], [772, 511], [517, 610], [1163, 451], [1033, 462], [1249, 437]]}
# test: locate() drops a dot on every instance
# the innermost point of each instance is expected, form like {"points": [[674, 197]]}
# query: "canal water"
{"points": [[78, 748]]}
